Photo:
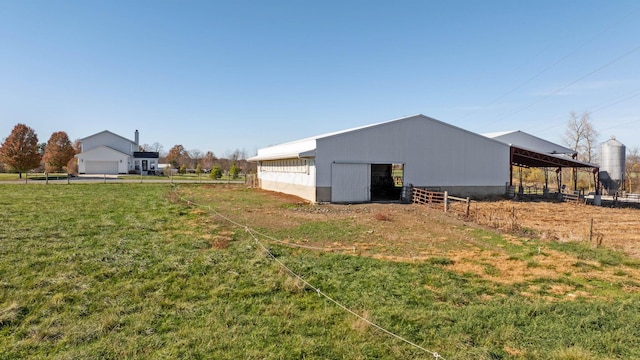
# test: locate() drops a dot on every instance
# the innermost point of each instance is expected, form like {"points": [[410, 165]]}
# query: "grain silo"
{"points": [[612, 165]]}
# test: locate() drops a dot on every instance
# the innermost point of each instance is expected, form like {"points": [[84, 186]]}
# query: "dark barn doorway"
{"points": [[386, 181]]}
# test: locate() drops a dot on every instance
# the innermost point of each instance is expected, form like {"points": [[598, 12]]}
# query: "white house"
{"points": [[373, 162], [109, 153]]}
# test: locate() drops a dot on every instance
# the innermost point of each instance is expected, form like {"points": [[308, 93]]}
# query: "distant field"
{"points": [[117, 271]]}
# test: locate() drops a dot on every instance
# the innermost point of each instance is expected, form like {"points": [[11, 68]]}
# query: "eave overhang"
{"points": [[530, 158]]}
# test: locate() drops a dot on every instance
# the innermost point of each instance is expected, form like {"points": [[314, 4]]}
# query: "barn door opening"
{"points": [[386, 181]]}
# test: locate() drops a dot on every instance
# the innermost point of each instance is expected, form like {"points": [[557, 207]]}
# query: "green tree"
{"points": [[216, 172], [234, 170], [198, 169], [20, 150], [183, 169]]}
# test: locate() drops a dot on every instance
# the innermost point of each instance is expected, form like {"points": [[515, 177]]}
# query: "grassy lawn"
{"points": [[180, 177], [116, 271]]}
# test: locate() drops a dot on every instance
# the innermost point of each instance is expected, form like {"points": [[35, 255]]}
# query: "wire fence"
{"points": [[255, 235]]}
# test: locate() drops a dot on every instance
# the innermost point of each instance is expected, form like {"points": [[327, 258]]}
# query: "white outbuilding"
{"points": [[373, 162]]}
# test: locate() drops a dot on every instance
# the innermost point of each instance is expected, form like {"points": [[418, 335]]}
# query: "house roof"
{"points": [[108, 132], [146, 154], [101, 148]]}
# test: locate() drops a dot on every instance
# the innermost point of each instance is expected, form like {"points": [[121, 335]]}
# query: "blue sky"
{"points": [[226, 75]]}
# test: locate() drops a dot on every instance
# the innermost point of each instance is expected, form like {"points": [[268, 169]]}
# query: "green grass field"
{"points": [[115, 271]]}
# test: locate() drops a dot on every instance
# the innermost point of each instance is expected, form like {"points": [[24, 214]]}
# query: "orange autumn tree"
{"points": [[20, 150], [58, 152]]}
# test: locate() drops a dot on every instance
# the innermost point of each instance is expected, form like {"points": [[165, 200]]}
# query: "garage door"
{"points": [[350, 183], [101, 167]]}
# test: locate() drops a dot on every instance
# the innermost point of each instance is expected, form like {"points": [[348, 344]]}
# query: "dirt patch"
{"points": [[417, 233], [614, 228]]}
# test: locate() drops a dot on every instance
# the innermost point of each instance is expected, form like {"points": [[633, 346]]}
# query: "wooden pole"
{"points": [[468, 206], [591, 230], [446, 201]]}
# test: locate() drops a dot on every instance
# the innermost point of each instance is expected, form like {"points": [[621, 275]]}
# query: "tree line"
{"points": [[195, 160], [21, 152]]}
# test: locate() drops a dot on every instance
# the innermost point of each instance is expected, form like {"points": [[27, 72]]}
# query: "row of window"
{"points": [[290, 166]]}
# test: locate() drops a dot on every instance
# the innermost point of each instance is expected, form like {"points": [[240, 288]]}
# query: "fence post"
{"points": [[446, 201], [468, 206]]}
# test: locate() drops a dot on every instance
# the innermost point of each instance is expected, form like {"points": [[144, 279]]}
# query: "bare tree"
{"points": [[590, 141], [208, 160], [581, 136], [632, 170], [196, 156], [157, 147]]}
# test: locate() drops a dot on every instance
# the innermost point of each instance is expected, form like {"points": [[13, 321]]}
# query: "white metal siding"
{"points": [[350, 182], [281, 172], [434, 153]]}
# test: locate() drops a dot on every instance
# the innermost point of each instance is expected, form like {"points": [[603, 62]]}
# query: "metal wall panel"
{"points": [[434, 153], [350, 182]]}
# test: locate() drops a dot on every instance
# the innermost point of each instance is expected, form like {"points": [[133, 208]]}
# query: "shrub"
{"points": [[234, 171], [216, 172]]}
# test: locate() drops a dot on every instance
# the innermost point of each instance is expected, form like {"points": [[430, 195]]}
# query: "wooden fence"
{"points": [[575, 198], [427, 197], [252, 180]]}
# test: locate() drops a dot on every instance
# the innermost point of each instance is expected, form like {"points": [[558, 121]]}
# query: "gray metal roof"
{"points": [[306, 148], [521, 139]]}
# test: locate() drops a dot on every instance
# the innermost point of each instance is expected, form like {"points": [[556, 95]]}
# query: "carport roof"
{"points": [[521, 156], [531, 151]]}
